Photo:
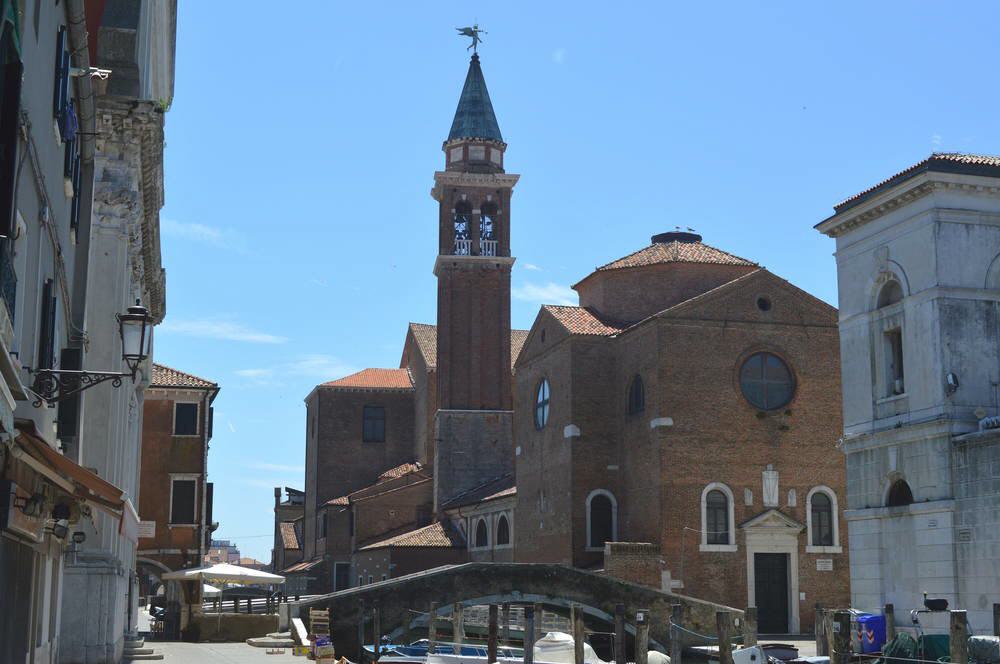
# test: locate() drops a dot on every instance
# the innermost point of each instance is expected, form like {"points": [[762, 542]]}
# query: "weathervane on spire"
{"points": [[474, 33]]}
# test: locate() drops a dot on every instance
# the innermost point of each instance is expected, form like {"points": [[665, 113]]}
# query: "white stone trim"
{"points": [[730, 508], [764, 539], [834, 516], [614, 517], [474, 522], [510, 530]]}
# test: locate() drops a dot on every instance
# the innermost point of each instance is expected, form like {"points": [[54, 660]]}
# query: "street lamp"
{"points": [[55, 385]]}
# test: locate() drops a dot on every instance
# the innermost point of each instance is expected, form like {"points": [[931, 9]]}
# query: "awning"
{"points": [[9, 14], [86, 485], [304, 566], [225, 573]]}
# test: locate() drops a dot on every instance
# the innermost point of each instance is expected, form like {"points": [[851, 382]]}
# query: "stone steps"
{"points": [[153, 655], [138, 651]]}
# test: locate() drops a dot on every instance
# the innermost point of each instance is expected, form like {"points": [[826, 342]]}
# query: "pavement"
{"points": [[177, 652]]}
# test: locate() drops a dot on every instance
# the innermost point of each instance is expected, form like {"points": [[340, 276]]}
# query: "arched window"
{"points": [[482, 534], [899, 494], [503, 531], [602, 519], [636, 396], [766, 381], [822, 517], [890, 294], [542, 404], [487, 229], [717, 517], [463, 242]]}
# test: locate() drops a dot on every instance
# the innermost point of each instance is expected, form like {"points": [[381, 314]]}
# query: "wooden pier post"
{"points": [[996, 620], [529, 635], [620, 634], [539, 619], [676, 619], [377, 632], [506, 624], [361, 634], [641, 636], [432, 630], [491, 642], [723, 629], [959, 637], [458, 627], [841, 652], [578, 635], [750, 626], [890, 622], [828, 621], [819, 627]]}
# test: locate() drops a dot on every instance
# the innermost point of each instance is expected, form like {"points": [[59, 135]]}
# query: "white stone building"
{"points": [[918, 262]]}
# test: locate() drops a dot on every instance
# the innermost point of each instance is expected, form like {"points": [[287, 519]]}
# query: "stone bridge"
{"points": [[403, 602]]}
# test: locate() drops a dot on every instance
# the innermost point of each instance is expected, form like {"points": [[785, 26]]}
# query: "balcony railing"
{"points": [[488, 247], [463, 247]]}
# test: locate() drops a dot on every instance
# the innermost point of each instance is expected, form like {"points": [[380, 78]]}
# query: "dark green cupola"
{"points": [[474, 117]]}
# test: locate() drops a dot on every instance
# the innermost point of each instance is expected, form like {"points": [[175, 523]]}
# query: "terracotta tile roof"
{"points": [[164, 376], [342, 500], [375, 379], [437, 535], [399, 471], [582, 320], [675, 252], [498, 487], [289, 538], [944, 162], [426, 337]]}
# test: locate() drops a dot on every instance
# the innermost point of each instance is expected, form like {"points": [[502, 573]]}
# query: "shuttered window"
{"points": [[47, 327], [185, 419], [182, 502]]}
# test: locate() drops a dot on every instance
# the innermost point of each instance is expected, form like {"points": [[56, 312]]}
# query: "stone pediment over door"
{"points": [[773, 521]]}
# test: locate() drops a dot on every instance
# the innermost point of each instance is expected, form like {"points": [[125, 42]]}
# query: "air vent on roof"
{"points": [[676, 236]]}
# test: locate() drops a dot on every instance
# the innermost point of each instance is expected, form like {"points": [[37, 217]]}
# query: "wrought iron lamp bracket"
{"points": [[55, 385]]}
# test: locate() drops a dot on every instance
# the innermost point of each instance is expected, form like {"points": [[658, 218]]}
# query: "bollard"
{"points": [[723, 627], [578, 635], [377, 633], [491, 643], [619, 633], [890, 622], [529, 635], [506, 624], [641, 636], [841, 653], [432, 627], [996, 620], [819, 625], [750, 626], [676, 618], [458, 627], [959, 637]]}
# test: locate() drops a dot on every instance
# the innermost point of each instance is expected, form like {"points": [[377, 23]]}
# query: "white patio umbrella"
{"points": [[225, 573], [210, 591]]}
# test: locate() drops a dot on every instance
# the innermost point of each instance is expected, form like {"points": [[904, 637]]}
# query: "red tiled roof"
{"points": [[581, 320], [437, 535], [303, 566], [426, 337], [375, 379], [289, 538], [164, 376], [342, 500], [947, 162], [498, 487], [399, 471], [676, 252]]}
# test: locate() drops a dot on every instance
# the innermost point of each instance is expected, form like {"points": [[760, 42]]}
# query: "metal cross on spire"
{"points": [[473, 33]]}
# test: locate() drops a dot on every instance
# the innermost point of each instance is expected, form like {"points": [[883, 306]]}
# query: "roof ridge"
{"points": [[164, 367]]}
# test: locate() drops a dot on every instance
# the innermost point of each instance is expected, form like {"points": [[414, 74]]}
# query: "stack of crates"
{"points": [[319, 628]]}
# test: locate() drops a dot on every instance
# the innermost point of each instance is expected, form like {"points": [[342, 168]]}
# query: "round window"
{"points": [[542, 404], [766, 381]]}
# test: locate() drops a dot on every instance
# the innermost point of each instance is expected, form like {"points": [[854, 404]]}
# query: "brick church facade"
{"points": [[692, 401]]}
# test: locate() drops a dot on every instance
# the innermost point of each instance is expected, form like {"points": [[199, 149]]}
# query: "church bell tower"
{"points": [[473, 424]]}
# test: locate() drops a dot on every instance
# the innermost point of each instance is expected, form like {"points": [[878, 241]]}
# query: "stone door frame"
{"points": [[774, 532]]}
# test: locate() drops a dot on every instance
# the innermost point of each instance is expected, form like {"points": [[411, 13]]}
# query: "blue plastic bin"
{"points": [[871, 630]]}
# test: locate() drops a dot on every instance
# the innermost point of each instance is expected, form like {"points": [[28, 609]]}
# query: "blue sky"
{"points": [[299, 234]]}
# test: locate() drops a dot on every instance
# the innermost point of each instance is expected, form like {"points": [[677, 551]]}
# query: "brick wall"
{"points": [[472, 448], [635, 562]]}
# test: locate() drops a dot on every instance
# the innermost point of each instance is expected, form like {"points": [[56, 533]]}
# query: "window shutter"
{"points": [[9, 121], [182, 505], [69, 410], [61, 74], [46, 328]]}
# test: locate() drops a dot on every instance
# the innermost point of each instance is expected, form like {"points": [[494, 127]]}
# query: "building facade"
{"points": [[288, 514], [175, 506], [918, 264]]}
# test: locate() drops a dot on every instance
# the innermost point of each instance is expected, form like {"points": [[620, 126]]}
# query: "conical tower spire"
{"points": [[474, 118]]}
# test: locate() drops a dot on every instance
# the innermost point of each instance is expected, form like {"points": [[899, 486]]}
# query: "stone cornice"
{"points": [[467, 262], [444, 179], [841, 223]]}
